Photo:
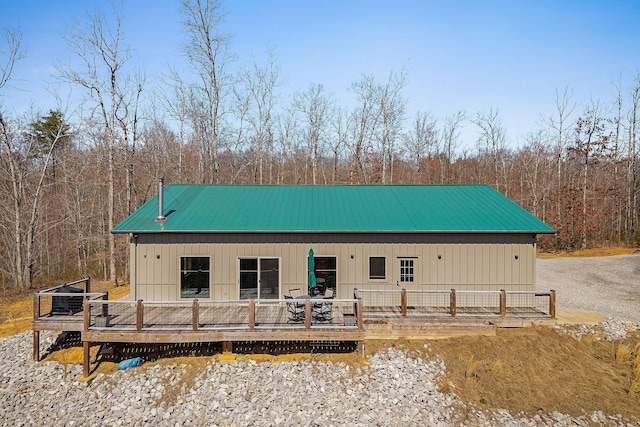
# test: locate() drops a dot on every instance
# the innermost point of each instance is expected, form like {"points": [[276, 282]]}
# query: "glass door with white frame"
{"points": [[259, 278]]}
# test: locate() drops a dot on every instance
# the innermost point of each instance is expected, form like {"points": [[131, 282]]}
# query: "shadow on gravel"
{"points": [[117, 352]]}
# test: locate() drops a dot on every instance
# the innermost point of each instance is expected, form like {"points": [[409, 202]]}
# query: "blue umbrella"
{"points": [[311, 282]]}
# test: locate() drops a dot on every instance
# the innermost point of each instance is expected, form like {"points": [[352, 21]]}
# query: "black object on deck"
{"points": [[66, 305]]}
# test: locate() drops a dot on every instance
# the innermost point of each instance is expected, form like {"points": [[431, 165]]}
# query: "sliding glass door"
{"points": [[259, 278]]}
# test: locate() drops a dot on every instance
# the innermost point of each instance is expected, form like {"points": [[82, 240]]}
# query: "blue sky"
{"points": [[459, 55]]}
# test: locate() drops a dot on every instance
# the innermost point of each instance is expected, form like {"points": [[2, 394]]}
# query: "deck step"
{"points": [[427, 328]]}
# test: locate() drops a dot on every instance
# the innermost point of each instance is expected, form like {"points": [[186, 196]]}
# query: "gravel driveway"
{"points": [[607, 285]]}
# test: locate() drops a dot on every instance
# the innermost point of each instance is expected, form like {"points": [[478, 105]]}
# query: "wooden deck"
{"points": [[349, 320]]}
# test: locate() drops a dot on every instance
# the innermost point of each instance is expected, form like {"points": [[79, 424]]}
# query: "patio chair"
{"points": [[322, 311], [295, 309], [295, 292]]}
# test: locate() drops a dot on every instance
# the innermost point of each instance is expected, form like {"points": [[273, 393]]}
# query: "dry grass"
{"points": [[623, 355], [538, 368], [635, 383]]}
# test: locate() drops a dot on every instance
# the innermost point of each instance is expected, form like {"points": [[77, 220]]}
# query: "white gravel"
{"points": [[606, 285]]}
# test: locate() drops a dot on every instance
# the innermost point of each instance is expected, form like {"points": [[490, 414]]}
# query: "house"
{"points": [[230, 242]]}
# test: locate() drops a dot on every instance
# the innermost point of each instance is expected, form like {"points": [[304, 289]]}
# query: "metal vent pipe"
{"points": [[160, 217]]}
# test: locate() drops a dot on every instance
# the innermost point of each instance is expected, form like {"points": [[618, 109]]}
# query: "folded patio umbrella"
{"points": [[311, 282]]}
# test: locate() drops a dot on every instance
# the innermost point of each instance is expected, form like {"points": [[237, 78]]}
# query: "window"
{"points": [[194, 277], [406, 270], [377, 267], [325, 272]]}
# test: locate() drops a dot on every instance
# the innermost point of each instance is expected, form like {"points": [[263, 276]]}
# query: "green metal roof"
{"points": [[196, 208]]}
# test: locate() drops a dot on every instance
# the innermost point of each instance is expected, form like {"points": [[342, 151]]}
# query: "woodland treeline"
{"points": [[70, 173]]}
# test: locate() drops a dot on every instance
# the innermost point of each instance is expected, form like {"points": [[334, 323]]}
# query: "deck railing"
{"points": [[407, 303], [232, 315]]}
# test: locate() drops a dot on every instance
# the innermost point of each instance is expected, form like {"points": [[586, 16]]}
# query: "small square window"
{"points": [[377, 267]]}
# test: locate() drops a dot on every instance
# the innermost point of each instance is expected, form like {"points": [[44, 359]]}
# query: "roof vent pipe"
{"points": [[161, 216]]}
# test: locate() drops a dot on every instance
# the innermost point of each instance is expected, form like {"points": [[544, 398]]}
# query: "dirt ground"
{"points": [[524, 370]]}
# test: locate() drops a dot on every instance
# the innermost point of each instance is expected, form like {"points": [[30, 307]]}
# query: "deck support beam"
{"points": [[139, 315], [36, 334], [452, 303], [195, 315], [252, 315], [403, 302], [86, 358], [36, 346]]}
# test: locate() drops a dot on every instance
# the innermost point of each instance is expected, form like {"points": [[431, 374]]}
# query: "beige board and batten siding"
{"points": [[442, 261]]}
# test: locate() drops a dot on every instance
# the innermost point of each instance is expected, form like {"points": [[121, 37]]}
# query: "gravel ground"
{"points": [[607, 285]]}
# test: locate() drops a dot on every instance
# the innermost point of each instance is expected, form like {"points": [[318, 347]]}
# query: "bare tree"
{"points": [[632, 172], [128, 119], [207, 51], [10, 55], [288, 140], [591, 143], [364, 121], [559, 123], [535, 166], [451, 142], [259, 85], [177, 106], [98, 45], [492, 142], [316, 108], [339, 141], [392, 115], [422, 140], [26, 163]]}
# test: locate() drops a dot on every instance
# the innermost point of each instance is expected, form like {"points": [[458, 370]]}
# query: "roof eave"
{"points": [[334, 231]]}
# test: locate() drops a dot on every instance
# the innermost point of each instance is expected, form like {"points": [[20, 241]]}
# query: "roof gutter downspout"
{"points": [[161, 216]]}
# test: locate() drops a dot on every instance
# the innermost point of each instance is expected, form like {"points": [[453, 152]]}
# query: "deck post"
{"points": [[36, 346], [252, 314], [86, 345], [195, 315], [503, 303], [227, 346], [403, 302], [307, 313], [452, 303], [36, 334], [356, 295], [139, 315], [105, 307], [86, 349], [87, 286], [552, 304], [86, 315], [359, 318], [36, 306]]}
